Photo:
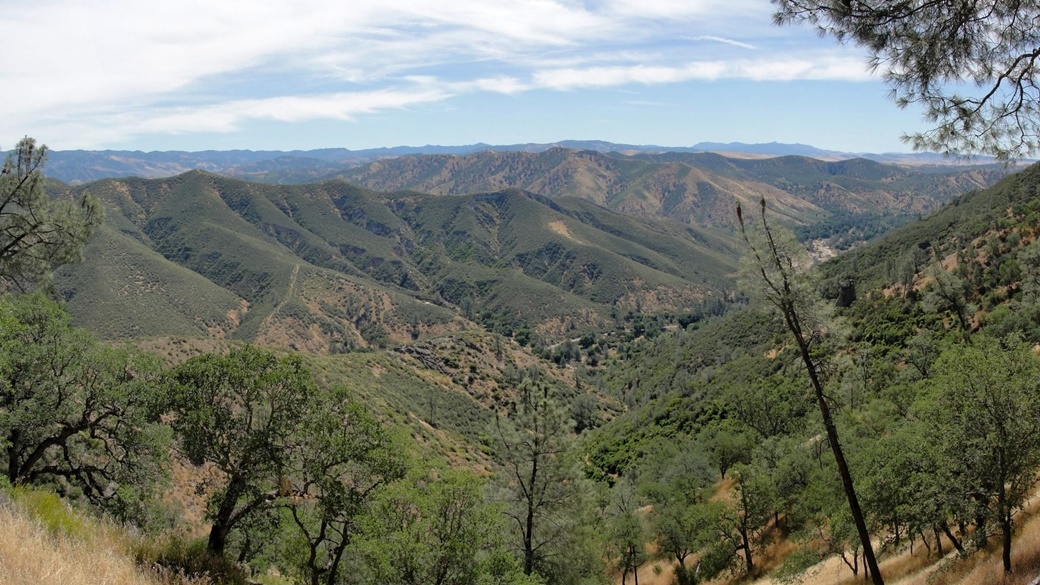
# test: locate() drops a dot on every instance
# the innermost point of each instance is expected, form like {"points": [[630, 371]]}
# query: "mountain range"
{"points": [[853, 199], [540, 243], [80, 166], [694, 188]]}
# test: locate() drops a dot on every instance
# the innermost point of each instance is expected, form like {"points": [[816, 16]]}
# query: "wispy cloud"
{"points": [[725, 41], [823, 67], [192, 65], [647, 103], [232, 115]]}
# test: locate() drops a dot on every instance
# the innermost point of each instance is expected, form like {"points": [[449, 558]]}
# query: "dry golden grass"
{"points": [[922, 567], [44, 540], [900, 568], [32, 555], [773, 556], [183, 497]]}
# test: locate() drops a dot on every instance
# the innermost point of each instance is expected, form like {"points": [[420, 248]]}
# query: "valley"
{"points": [[597, 308]]}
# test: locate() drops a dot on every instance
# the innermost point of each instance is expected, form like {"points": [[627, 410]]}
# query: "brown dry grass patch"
{"points": [[31, 555]]}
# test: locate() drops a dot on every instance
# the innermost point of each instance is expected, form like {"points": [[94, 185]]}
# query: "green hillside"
{"points": [[979, 237], [1010, 206], [126, 290], [928, 373], [330, 266]]}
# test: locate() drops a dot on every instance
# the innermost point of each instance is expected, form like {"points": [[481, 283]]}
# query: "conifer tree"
{"points": [[774, 268], [972, 66], [543, 493], [37, 233]]}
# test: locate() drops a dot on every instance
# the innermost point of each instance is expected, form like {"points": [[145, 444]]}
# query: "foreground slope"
{"points": [[969, 281]]}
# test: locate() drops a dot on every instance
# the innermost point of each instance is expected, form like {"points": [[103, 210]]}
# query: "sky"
{"points": [[279, 75]]}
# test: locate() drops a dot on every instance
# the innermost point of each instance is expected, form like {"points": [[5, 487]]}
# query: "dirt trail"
{"points": [[289, 292]]}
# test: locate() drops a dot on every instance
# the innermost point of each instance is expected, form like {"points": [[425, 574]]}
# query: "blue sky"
{"points": [[212, 74]]}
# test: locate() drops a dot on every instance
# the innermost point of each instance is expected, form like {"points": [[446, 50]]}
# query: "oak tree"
{"points": [[340, 457], [241, 413], [987, 409], [436, 528], [76, 413]]}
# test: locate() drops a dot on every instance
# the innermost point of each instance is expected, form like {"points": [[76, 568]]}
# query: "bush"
{"points": [[52, 512], [176, 558]]}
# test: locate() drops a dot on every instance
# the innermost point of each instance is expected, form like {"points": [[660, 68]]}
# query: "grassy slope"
{"points": [[901, 568], [124, 289], [443, 391], [43, 542]]}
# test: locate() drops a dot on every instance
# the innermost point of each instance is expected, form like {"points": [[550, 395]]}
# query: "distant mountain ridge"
{"points": [[299, 166], [698, 188]]}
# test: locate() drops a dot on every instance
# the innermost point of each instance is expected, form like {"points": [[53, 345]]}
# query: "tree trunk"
{"points": [[1005, 530], [12, 456], [870, 561], [1004, 513], [962, 319], [854, 565], [747, 552], [312, 558], [337, 559], [529, 525], [682, 575], [953, 539], [222, 520], [217, 539], [785, 300], [981, 538]]}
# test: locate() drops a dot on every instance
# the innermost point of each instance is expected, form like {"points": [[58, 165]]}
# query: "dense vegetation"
{"points": [[933, 384], [295, 476]]}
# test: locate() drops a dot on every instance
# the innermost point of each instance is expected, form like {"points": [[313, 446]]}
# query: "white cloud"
{"points": [[208, 65], [501, 84], [684, 9]]}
